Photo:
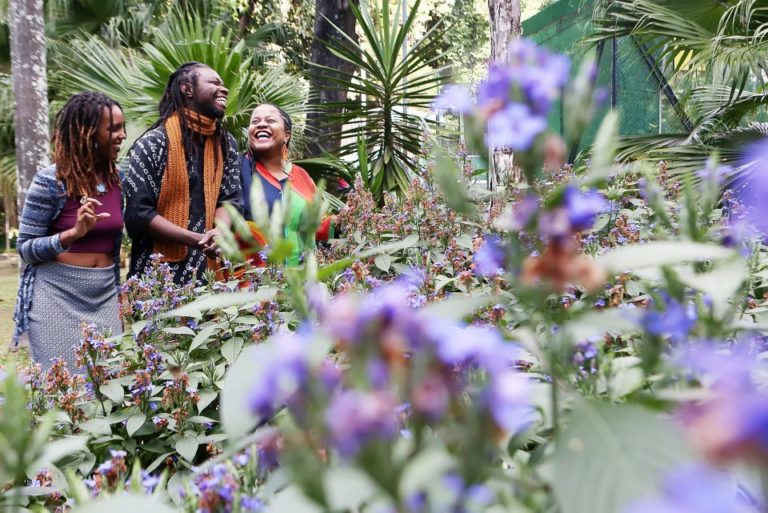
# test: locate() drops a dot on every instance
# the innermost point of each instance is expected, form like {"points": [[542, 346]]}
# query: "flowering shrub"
{"points": [[590, 342]]}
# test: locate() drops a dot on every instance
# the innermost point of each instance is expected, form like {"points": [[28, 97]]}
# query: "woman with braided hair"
{"points": [[70, 232], [180, 173]]}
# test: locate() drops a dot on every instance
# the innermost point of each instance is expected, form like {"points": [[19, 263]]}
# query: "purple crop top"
{"points": [[102, 237]]}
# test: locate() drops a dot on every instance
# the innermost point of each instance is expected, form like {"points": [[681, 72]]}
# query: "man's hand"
{"points": [[208, 243]]}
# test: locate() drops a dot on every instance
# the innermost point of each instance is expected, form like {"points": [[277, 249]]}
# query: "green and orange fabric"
{"points": [[302, 190]]}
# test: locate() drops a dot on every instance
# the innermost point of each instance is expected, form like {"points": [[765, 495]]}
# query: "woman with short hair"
{"points": [[266, 160]]}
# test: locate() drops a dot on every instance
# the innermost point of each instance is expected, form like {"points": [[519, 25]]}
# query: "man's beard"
{"points": [[209, 110]]}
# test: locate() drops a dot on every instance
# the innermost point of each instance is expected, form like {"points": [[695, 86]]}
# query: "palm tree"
{"points": [[716, 48], [137, 77], [387, 92]]}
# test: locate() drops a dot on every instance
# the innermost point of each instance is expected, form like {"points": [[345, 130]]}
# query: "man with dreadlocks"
{"points": [[70, 232], [180, 173]]}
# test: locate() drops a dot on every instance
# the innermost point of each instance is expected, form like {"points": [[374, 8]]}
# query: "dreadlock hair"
{"points": [[74, 143], [173, 100], [286, 121]]}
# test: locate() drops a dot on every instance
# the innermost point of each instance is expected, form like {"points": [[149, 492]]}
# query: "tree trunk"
{"points": [[505, 27], [320, 130], [30, 86], [245, 17]]}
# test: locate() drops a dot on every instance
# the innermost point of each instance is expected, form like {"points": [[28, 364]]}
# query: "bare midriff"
{"points": [[86, 259]]}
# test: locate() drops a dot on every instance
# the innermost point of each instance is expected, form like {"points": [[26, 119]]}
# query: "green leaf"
{"points": [[612, 455], [135, 421], [459, 306], [231, 349], [220, 301], [187, 448], [449, 179], [96, 427], [595, 324], [137, 326], [113, 391], [383, 262], [125, 503], [203, 335], [604, 149], [346, 488], [206, 398], [179, 330], [292, 500], [58, 449], [626, 376], [236, 417], [638, 256]]}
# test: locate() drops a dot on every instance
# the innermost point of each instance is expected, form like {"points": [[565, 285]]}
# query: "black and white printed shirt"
{"points": [[141, 186]]}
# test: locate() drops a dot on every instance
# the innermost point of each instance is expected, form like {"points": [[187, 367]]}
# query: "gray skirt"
{"points": [[64, 296]]}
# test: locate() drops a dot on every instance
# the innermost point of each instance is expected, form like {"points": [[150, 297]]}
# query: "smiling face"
{"points": [[267, 132], [208, 96], [110, 133]]}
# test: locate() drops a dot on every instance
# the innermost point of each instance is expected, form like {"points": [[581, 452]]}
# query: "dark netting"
{"points": [[628, 75]]}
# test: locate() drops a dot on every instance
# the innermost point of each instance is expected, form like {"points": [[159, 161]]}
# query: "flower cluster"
{"points": [[515, 99], [733, 422], [180, 398], [109, 474], [386, 343], [218, 490]]}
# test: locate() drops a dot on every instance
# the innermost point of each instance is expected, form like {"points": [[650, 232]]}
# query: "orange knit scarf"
{"points": [[173, 203]]}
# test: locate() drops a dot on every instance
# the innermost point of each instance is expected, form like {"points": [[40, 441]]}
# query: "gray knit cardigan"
{"points": [[45, 200]]}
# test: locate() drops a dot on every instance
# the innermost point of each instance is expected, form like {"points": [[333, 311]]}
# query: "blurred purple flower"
{"points": [[509, 401], [515, 127], [583, 207], [355, 418], [496, 88], [279, 380], [751, 186], [521, 214], [695, 489], [455, 98], [674, 319], [431, 396], [489, 258], [554, 223]]}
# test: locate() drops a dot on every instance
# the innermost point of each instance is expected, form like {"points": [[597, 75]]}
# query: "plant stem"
{"points": [[555, 405]]}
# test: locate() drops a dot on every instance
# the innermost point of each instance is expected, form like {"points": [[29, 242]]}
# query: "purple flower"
{"points": [[694, 489], [489, 258], [455, 98], [583, 207], [751, 187], [521, 215], [355, 418], [248, 503], [495, 88], [509, 401], [431, 397], [280, 380], [675, 320], [554, 223], [514, 127]]}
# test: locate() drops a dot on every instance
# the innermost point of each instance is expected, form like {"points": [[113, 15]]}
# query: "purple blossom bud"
{"points": [[455, 98], [514, 127], [489, 258]]}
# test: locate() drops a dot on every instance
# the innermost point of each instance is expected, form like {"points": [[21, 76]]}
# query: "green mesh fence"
{"points": [[629, 76]]}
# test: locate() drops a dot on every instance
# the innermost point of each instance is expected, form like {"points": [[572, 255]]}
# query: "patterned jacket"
{"points": [[44, 202]]}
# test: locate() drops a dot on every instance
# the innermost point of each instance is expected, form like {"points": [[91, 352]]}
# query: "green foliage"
{"points": [[387, 88], [617, 452], [716, 54], [137, 78]]}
